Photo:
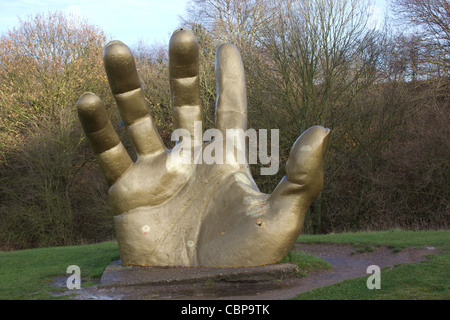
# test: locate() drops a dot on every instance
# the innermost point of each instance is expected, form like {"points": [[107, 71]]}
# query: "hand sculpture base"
{"points": [[116, 274], [169, 213]]}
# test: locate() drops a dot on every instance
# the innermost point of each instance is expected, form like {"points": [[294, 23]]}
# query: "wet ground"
{"points": [[279, 281]]}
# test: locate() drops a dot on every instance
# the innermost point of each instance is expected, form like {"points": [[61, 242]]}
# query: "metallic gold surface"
{"points": [[169, 213], [184, 80], [231, 110]]}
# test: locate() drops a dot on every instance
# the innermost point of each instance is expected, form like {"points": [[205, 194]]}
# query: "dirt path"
{"points": [[345, 261], [346, 264]]}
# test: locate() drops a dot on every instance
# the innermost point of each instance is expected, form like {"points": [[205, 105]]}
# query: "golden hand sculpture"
{"points": [[169, 213]]}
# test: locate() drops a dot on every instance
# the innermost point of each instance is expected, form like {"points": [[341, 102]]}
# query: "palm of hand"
{"points": [[171, 213]]}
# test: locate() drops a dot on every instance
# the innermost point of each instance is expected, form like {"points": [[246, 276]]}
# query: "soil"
{"points": [[271, 282]]}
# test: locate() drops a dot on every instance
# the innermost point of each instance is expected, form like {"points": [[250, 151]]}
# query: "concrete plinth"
{"points": [[133, 282]]}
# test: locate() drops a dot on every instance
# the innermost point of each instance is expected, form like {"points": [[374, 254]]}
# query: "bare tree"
{"points": [[234, 21], [322, 54], [432, 17], [45, 63]]}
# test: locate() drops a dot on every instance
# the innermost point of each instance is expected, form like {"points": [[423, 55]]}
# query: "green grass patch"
{"points": [[306, 262], [395, 239], [27, 274], [427, 280]]}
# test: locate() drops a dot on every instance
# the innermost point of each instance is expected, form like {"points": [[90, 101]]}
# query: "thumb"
{"points": [[304, 173], [305, 163]]}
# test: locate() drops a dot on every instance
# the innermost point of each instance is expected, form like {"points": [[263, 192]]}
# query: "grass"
{"points": [[423, 281], [428, 280], [306, 262], [394, 238], [26, 274]]}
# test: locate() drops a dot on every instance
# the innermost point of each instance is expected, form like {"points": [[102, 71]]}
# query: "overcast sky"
{"points": [[126, 20]]}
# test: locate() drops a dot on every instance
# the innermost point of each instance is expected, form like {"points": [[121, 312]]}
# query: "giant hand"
{"points": [[172, 213]]}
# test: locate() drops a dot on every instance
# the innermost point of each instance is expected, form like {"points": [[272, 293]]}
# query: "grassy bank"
{"points": [[306, 262], [429, 279], [26, 274], [395, 238]]}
